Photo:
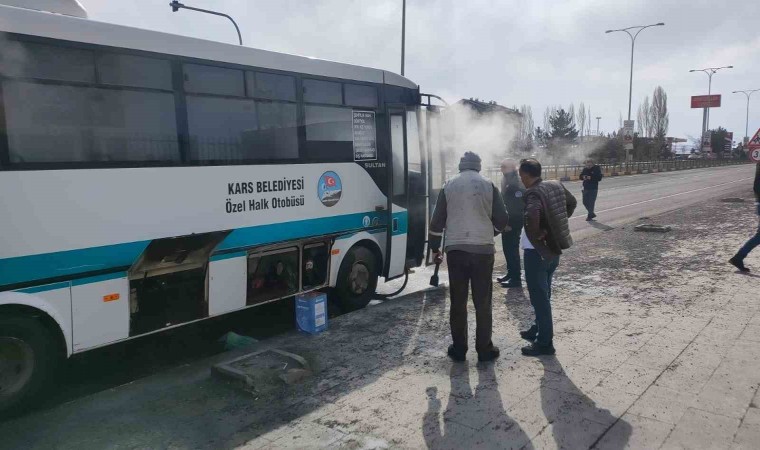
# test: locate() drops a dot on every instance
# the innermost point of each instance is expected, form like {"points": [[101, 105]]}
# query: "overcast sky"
{"points": [[531, 52]]}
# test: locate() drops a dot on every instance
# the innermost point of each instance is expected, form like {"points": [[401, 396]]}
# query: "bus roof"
{"points": [[56, 26]]}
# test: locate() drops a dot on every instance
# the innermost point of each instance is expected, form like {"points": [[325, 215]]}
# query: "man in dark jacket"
{"points": [[512, 191], [548, 205], [471, 211], [754, 241], [591, 176]]}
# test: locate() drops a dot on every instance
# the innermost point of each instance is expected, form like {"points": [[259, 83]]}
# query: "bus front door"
{"points": [[395, 261]]}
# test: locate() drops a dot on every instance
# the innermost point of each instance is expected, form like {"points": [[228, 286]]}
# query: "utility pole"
{"points": [[748, 94], [597, 125], [176, 6], [403, 33]]}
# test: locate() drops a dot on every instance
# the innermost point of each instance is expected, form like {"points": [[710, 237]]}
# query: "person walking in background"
{"points": [[591, 176], [512, 191], [754, 241], [471, 211], [548, 205]]}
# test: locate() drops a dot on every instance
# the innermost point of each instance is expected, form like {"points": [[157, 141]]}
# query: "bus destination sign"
{"points": [[365, 141]]}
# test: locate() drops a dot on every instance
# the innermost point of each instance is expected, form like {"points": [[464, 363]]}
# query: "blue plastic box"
{"points": [[311, 312]]}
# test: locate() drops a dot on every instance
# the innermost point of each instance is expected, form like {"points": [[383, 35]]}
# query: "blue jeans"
{"points": [[750, 245], [510, 240], [589, 200], [538, 277]]}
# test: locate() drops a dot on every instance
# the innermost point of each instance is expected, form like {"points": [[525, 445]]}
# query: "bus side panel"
{"points": [[227, 283], [54, 300], [101, 310], [343, 244], [399, 227]]}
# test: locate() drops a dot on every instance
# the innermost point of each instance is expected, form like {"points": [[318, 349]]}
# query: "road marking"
{"points": [[668, 196]]}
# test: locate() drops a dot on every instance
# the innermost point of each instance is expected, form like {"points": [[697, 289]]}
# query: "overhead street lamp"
{"points": [[748, 94], [176, 6], [597, 125], [710, 71], [633, 36]]}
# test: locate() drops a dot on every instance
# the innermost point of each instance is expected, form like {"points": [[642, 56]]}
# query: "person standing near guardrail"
{"points": [[548, 205], [471, 211], [754, 241], [512, 191], [591, 176]]}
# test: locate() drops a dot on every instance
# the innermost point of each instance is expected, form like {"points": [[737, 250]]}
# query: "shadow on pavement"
{"points": [[471, 419], [574, 418], [185, 408]]}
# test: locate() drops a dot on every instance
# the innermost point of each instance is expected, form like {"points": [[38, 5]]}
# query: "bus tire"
{"points": [[28, 358], [357, 279]]}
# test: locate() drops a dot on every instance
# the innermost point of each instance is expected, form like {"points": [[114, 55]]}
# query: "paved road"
{"points": [[628, 198], [621, 200]]}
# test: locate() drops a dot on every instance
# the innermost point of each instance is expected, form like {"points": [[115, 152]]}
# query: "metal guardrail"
{"points": [[572, 172]]}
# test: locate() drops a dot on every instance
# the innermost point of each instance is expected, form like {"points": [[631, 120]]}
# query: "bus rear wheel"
{"points": [[357, 279], [28, 357]]}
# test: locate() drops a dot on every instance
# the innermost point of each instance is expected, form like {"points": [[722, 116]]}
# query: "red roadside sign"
{"points": [[705, 101], [754, 147]]}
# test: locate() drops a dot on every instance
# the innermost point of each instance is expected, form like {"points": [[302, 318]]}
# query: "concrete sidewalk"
{"points": [[658, 346]]}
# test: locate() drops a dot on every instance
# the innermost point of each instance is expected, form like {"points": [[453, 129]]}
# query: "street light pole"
{"points": [[597, 125], [176, 6], [747, 94], [710, 71], [633, 43], [403, 33]]}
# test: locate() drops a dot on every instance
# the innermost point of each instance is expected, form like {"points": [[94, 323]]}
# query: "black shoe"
{"points": [[489, 355], [529, 334], [511, 283], [738, 263], [457, 355], [536, 349], [503, 279], [588, 219], [592, 215]]}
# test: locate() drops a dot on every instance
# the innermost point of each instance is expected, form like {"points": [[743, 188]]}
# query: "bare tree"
{"points": [[589, 116], [660, 119], [581, 118], [643, 117], [620, 119], [526, 124], [571, 113]]}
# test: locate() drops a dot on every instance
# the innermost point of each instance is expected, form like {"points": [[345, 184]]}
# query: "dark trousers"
{"points": [[510, 240], [538, 277], [589, 199], [467, 269], [750, 245]]}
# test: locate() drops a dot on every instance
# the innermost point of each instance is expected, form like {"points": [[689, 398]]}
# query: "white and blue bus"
{"points": [[149, 180]]}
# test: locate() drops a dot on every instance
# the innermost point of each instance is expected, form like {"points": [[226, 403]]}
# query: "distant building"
{"points": [[491, 107]]}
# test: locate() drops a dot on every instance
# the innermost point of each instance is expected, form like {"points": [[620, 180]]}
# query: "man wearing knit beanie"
{"points": [[471, 212]]}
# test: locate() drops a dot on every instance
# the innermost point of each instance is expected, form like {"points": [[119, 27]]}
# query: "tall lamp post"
{"points": [[633, 36], [403, 33], [748, 94], [176, 6], [710, 71], [597, 124]]}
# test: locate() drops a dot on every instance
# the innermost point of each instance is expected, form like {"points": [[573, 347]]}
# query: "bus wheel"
{"points": [[28, 356], [357, 279]]}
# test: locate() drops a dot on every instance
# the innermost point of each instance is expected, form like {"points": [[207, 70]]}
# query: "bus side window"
{"points": [[329, 133]]}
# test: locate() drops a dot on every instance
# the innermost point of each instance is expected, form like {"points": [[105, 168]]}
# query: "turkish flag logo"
{"points": [[329, 181]]}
